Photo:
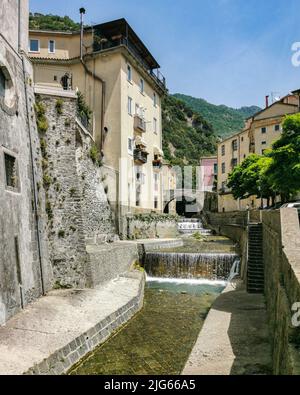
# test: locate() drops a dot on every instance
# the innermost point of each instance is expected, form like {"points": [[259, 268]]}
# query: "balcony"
{"points": [[140, 156], [118, 34], [157, 164], [139, 124]]}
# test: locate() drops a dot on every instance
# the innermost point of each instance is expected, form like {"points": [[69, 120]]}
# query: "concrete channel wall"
{"points": [[281, 250]]}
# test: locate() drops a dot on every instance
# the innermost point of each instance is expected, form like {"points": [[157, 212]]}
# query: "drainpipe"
{"points": [[96, 77], [35, 191]]}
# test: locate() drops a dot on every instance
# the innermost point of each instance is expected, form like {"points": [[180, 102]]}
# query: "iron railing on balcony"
{"points": [[140, 156], [101, 44], [157, 164], [139, 123]]}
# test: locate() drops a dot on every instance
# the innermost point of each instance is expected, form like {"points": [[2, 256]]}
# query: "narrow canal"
{"points": [[159, 339]]}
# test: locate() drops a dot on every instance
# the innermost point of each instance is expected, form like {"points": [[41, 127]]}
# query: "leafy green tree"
{"points": [[284, 171], [250, 178], [39, 21]]}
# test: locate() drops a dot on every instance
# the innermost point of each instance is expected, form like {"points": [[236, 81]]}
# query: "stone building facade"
{"points": [[24, 270]]}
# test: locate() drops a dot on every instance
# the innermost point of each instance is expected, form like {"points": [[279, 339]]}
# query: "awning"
{"points": [[140, 141], [158, 151]]}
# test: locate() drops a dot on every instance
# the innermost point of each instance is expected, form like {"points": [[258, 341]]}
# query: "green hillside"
{"points": [[39, 21], [224, 120], [186, 134]]}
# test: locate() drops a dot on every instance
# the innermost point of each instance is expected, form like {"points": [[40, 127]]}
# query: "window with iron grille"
{"points": [[223, 150], [234, 162], [277, 128], [223, 168], [11, 171]]}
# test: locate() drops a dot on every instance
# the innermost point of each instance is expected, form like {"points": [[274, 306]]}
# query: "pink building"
{"points": [[208, 173]]}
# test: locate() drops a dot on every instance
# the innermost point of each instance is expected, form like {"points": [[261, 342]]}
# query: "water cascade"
{"points": [[235, 270], [190, 226], [191, 265]]}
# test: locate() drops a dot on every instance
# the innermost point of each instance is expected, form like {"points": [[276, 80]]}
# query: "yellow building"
{"points": [[122, 85], [259, 133], [169, 176]]}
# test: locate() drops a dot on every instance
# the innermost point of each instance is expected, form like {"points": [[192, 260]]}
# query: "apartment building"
{"points": [[169, 176], [208, 173], [122, 85], [259, 133]]}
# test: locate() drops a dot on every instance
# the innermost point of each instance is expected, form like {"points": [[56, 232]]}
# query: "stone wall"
{"points": [[151, 227], [281, 249], [281, 236], [24, 271], [77, 207]]}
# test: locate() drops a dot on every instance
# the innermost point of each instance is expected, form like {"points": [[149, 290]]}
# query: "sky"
{"points": [[231, 52]]}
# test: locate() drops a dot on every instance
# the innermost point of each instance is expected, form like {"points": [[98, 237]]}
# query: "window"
{"points": [[235, 145], [55, 78], [51, 46], [234, 162], [264, 130], [156, 182], [129, 73], [223, 168], [156, 202], [155, 125], [223, 150], [129, 105], [264, 142], [11, 171], [242, 139], [142, 85], [223, 185], [34, 45], [154, 99], [2, 84], [277, 128], [130, 145], [215, 168]]}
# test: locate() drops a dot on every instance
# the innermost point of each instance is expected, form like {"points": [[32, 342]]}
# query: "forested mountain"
{"points": [[186, 134], [224, 120]]}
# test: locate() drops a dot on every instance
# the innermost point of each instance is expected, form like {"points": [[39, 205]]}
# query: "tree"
{"points": [[250, 178], [284, 170]]}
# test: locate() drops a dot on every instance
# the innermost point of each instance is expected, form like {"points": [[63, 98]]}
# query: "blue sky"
{"points": [[231, 52]]}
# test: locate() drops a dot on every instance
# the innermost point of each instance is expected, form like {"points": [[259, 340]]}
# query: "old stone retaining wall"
{"points": [[76, 203], [24, 269], [151, 227], [281, 236], [281, 250]]}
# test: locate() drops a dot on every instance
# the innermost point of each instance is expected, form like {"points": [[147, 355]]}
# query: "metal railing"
{"points": [[139, 123], [140, 156]]}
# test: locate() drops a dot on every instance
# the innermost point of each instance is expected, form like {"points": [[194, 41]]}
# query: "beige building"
{"points": [[259, 133], [122, 85], [169, 177]]}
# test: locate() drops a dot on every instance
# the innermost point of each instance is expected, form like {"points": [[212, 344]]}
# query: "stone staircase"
{"points": [[255, 273]]}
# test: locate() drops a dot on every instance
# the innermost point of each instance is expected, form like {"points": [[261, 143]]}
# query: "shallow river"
{"points": [[160, 338]]}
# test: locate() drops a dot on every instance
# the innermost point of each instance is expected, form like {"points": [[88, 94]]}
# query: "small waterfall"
{"points": [[190, 226], [189, 265], [235, 270]]}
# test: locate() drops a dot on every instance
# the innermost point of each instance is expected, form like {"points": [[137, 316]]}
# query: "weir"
{"points": [[210, 266], [190, 226]]}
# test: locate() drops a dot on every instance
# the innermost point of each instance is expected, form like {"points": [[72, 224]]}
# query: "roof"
{"points": [[122, 27], [270, 106]]}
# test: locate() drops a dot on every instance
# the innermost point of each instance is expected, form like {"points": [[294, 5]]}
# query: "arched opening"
{"points": [[185, 207]]}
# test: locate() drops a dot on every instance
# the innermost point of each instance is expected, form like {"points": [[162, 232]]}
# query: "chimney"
{"points": [[267, 101], [82, 12]]}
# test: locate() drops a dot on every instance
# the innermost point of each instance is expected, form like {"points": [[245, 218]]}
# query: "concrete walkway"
{"points": [[56, 331], [234, 338]]}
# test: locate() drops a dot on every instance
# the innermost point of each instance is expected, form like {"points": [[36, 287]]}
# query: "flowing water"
{"points": [[190, 226], [181, 287], [159, 339], [189, 265]]}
